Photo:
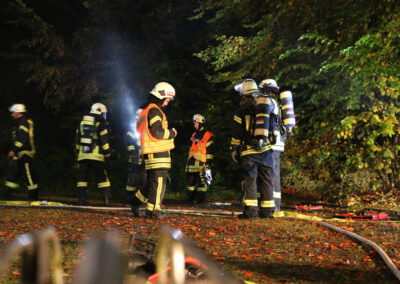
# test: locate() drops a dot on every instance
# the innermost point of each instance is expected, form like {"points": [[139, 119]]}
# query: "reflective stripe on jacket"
{"points": [[99, 147], [148, 143], [23, 138]]}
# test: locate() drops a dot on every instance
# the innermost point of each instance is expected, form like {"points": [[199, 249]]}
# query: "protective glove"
{"points": [[208, 177]]}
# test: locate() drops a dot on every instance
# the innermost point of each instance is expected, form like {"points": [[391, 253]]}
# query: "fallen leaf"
{"points": [[248, 274]]}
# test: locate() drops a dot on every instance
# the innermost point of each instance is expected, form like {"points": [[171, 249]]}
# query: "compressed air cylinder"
{"points": [[263, 109], [287, 109], [87, 130]]}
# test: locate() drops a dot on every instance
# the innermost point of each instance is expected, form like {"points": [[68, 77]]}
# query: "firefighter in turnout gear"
{"points": [[156, 141], [254, 158], [136, 173], [201, 155], [22, 154], [280, 123], [93, 150]]}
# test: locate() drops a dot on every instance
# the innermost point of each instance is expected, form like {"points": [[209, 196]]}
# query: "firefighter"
{"points": [[156, 141], [281, 122], [255, 159], [201, 155], [93, 150], [22, 154], [135, 162]]}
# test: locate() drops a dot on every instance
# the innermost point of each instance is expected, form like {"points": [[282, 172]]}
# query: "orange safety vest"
{"points": [[199, 150], [150, 144]]}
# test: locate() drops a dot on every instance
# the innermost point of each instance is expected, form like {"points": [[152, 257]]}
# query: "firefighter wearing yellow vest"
{"points": [[156, 141], [136, 176], [254, 159], [22, 154], [281, 122], [201, 155], [93, 150]]}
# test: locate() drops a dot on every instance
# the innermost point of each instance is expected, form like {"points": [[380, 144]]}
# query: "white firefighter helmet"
{"points": [[163, 90], [269, 85], [199, 118], [17, 108], [249, 87], [98, 108]]}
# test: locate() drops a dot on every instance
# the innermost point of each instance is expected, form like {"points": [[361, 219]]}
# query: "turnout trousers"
{"points": [[258, 177], [136, 181], [276, 156], [23, 166], [196, 186], [153, 193], [99, 169]]}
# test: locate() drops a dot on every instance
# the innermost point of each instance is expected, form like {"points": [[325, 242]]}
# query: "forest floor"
{"points": [[279, 250]]}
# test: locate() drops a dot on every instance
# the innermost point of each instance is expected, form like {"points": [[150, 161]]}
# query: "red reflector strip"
{"points": [[363, 217], [301, 207]]}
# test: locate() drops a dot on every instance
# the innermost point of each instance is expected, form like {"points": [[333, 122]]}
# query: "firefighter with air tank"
{"points": [[201, 155], [21, 155], [276, 122], [136, 173], [254, 156], [156, 141], [93, 150]]}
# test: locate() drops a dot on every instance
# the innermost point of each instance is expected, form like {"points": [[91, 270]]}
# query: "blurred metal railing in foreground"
{"points": [[40, 257], [173, 248], [105, 263]]}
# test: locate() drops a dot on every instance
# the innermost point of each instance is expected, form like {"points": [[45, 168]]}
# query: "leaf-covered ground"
{"points": [[263, 251]]}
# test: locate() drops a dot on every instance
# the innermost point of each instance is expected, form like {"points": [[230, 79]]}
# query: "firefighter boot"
{"points": [[135, 206], [249, 212], [201, 197], [192, 196], [82, 197], [33, 195], [156, 214], [107, 197], [267, 213]]}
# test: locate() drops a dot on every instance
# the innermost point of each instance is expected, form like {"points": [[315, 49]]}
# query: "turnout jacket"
{"points": [[201, 151], [269, 125], [23, 138], [156, 139], [99, 148], [132, 145], [243, 131]]}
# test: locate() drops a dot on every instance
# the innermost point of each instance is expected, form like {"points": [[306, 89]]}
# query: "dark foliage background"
{"points": [[59, 57], [339, 58]]}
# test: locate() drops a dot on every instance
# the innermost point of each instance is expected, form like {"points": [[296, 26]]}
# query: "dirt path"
{"points": [[263, 251]]}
